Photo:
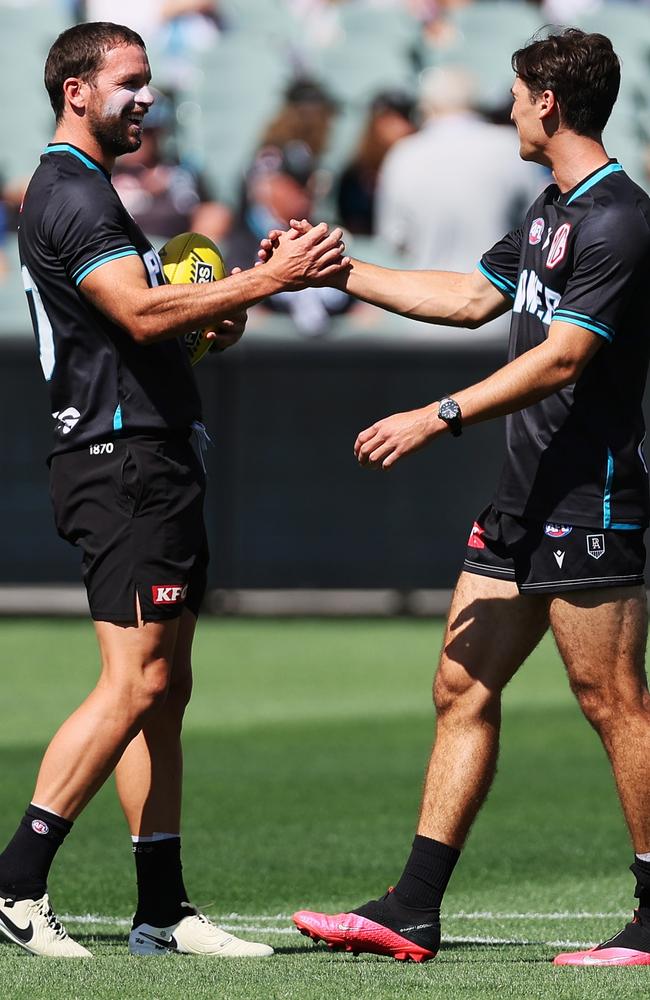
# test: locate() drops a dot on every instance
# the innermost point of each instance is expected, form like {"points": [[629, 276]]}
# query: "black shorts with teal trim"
{"points": [[553, 558]]}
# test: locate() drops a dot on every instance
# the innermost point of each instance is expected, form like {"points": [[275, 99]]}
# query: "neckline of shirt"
{"points": [[79, 154], [612, 166]]}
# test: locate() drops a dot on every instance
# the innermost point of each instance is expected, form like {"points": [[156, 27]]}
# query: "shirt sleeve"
{"points": [[500, 265], [85, 228], [611, 253]]}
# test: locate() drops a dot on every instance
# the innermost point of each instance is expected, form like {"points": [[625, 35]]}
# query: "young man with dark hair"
{"points": [[127, 486], [561, 546]]}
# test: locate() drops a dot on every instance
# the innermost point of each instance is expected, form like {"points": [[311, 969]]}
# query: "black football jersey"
{"points": [[582, 257], [102, 383]]}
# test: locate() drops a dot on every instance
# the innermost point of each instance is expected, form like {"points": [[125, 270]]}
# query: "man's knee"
{"points": [[607, 704], [148, 691], [456, 692], [178, 696]]}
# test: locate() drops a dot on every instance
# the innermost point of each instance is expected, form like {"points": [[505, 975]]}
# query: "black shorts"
{"points": [[135, 508], [553, 558]]}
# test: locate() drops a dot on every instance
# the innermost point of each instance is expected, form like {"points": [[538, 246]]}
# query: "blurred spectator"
{"points": [[445, 194], [438, 28], [390, 119], [177, 30], [279, 187], [306, 116], [164, 197]]}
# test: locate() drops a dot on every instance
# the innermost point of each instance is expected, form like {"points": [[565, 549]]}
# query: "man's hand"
{"points": [[388, 440], [231, 330], [319, 250]]}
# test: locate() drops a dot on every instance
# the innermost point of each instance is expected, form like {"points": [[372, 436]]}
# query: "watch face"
{"points": [[448, 409]]}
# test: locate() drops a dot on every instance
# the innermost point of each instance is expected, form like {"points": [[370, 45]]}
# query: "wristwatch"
{"points": [[449, 411]]}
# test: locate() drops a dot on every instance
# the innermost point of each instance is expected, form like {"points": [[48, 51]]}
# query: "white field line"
{"points": [[276, 924], [277, 918]]}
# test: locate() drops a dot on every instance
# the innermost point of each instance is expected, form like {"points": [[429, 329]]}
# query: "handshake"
{"points": [[305, 256]]}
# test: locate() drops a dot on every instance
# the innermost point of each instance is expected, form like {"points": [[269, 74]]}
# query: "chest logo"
{"points": [[596, 546], [536, 231], [559, 245]]}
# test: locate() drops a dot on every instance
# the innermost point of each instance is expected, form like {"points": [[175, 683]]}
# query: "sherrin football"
{"points": [[192, 259]]}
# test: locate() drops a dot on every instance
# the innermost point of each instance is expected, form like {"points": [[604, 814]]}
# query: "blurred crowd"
{"points": [[388, 117]]}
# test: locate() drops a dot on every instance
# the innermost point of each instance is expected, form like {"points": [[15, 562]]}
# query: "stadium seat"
{"points": [[219, 123], [486, 35], [25, 38]]}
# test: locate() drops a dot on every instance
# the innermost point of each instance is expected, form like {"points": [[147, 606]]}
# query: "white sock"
{"points": [[152, 838], [47, 809]]}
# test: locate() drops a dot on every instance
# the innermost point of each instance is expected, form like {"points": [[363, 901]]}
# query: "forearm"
{"points": [[528, 379], [443, 297], [170, 311]]}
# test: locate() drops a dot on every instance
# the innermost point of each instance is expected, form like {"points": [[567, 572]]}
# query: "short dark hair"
{"points": [[581, 69], [79, 51]]}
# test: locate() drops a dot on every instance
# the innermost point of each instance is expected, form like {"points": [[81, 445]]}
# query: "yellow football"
{"points": [[192, 259]]}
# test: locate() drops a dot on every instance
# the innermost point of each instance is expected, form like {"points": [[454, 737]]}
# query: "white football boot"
{"points": [[193, 935], [32, 924]]}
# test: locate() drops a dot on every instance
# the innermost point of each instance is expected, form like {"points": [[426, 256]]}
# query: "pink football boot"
{"points": [[378, 928], [630, 947]]}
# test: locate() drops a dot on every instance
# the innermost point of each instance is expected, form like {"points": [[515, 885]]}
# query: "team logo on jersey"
{"points": [[66, 420], [559, 245], [596, 546], [475, 540], [39, 826], [536, 231], [202, 272], [557, 530], [169, 593]]}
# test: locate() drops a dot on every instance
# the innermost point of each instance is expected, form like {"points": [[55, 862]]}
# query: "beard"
{"points": [[112, 133]]}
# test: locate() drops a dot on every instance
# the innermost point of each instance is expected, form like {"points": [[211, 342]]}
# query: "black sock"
{"points": [[160, 883], [427, 872], [26, 860], [642, 871]]}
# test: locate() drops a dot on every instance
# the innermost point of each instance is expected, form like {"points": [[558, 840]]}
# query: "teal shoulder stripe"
{"points": [[583, 323], [104, 260], [503, 284], [63, 147], [626, 527], [590, 319], [611, 168], [117, 418], [99, 256]]}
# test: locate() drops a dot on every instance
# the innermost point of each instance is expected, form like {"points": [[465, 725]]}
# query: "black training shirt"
{"points": [[102, 383], [582, 257]]}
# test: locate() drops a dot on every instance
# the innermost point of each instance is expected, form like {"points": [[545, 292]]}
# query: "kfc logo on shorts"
{"points": [[558, 246], [557, 530], [536, 231], [169, 593], [38, 826], [475, 540]]}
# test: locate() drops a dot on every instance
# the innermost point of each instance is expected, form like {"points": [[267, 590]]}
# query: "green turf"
{"points": [[305, 746]]}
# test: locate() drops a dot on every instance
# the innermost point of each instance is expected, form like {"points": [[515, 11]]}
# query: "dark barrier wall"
{"points": [[287, 504]]}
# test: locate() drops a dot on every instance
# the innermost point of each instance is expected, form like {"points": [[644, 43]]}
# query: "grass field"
{"points": [[305, 746]]}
